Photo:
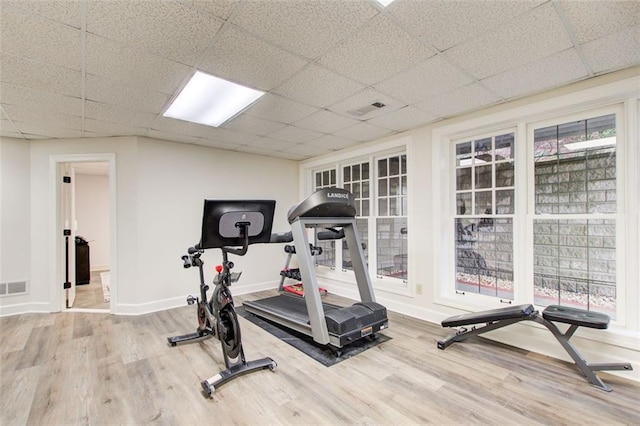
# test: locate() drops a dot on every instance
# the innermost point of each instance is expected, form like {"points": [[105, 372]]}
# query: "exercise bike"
{"points": [[239, 224]]}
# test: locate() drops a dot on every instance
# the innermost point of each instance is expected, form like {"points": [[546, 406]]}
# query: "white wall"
{"points": [[46, 284], [92, 217], [173, 181], [14, 215], [160, 190]]}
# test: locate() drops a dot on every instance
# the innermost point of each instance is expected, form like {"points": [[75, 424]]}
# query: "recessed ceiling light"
{"points": [[210, 100], [384, 3]]}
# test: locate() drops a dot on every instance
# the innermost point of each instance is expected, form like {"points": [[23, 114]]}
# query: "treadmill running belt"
{"points": [[290, 306]]}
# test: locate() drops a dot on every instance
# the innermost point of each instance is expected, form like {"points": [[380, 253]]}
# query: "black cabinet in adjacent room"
{"points": [[83, 271]]}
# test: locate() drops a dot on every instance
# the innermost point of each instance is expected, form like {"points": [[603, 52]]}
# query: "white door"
{"points": [[69, 230]]}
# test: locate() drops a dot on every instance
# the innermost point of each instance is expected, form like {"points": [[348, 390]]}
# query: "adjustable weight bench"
{"points": [[498, 318]]}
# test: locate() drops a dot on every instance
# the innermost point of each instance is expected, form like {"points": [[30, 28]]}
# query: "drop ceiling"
{"points": [[98, 68]]}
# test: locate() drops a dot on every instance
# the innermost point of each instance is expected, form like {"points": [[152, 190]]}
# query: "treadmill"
{"points": [[329, 324]]}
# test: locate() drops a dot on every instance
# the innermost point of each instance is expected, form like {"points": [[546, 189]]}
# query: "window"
{"points": [[391, 222], [575, 174], [484, 194], [556, 242], [379, 185], [356, 180], [325, 179]]}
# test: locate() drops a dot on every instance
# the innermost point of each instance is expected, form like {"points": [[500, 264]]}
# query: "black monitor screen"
{"points": [[220, 217]]}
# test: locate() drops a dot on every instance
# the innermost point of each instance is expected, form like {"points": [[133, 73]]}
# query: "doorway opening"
{"points": [[85, 229]]}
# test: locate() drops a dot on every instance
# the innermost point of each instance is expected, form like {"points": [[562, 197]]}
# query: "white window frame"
{"points": [[476, 298], [623, 96], [338, 276], [618, 217]]}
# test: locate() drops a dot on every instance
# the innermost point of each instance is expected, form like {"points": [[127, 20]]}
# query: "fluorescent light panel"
{"points": [[210, 100], [384, 3], [593, 143]]}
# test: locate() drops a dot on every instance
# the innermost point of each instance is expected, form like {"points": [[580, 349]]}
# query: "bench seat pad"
{"points": [[510, 312], [576, 316]]}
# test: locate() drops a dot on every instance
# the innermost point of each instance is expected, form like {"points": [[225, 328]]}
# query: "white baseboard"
{"points": [[254, 288], [25, 308], [100, 268], [149, 307], [176, 302]]}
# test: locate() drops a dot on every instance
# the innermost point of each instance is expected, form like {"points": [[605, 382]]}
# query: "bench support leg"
{"points": [[588, 370], [464, 333]]}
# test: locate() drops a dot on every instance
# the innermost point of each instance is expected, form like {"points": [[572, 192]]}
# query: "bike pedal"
{"points": [[191, 300]]}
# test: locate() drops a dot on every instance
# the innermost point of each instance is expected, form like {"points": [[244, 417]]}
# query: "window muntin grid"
{"points": [[485, 205]]}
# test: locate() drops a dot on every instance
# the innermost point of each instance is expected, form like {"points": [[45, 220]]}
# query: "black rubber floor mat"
{"points": [[305, 343]]}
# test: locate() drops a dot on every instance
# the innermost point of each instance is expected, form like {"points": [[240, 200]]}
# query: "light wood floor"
{"points": [[90, 296], [100, 369]]}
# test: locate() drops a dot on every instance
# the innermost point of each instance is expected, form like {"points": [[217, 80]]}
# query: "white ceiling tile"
{"points": [[307, 151], [403, 119], [363, 132], [614, 52], [33, 137], [276, 108], [444, 24], [308, 28], [231, 136], [39, 99], [377, 51], [139, 52], [212, 143], [169, 29], [65, 11], [220, 8], [291, 156], [553, 71], [331, 142], [8, 129], [116, 61], [242, 58], [600, 18], [103, 90], [107, 112], [173, 137], [31, 129], [532, 36], [171, 125], [318, 86], [364, 99], [112, 129], [256, 149], [253, 125], [40, 39], [295, 134], [459, 100], [40, 76], [272, 144], [433, 76], [87, 134], [43, 117], [325, 121]]}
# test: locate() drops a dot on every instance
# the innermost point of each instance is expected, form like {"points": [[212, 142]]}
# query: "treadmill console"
{"points": [[326, 202]]}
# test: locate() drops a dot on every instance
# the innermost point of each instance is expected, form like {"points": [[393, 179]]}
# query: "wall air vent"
{"points": [[10, 289], [366, 109]]}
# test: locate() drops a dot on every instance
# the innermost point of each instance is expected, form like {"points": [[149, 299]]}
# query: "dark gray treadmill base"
{"points": [[291, 311], [291, 307]]}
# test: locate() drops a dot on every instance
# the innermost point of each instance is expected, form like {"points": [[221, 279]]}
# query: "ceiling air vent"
{"points": [[366, 109]]}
